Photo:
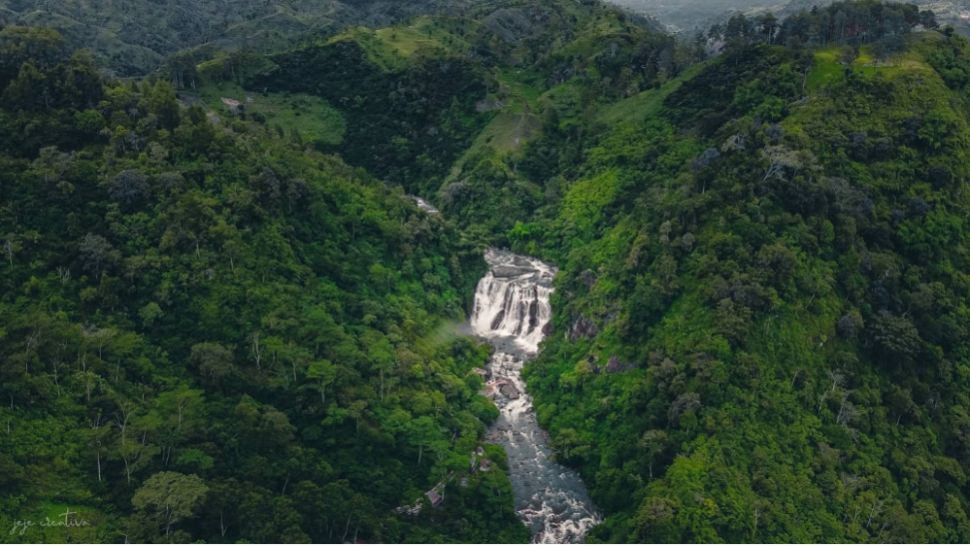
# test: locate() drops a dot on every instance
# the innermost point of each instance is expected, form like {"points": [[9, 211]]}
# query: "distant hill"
{"points": [[690, 14], [948, 12], [685, 15], [134, 36]]}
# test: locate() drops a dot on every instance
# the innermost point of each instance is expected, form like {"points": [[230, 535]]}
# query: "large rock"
{"points": [[547, 329], [509, 390], [582, 328], [588, 278], [615, 365]]}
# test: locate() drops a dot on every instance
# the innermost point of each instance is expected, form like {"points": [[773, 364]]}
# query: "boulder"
{"points": [[547, 329], [509, 390], [582, 328], [615, 365]]}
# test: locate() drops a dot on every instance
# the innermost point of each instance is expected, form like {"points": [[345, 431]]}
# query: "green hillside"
{"points": [[762, 328], [234, 338], [135, 37], [761, 324]]}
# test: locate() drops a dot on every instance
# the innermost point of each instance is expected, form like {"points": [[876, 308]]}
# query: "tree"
{"points": [[97, 255], [20, 45], [653, 442], [738, 31], [422, 432], [894, 338], [29, 90], [133, 453], [213, 361], [129, 188], [323, 372], [768, 27], [161, 101], [52, 164], [149, 313], [381, 355], [175, 414], [262, 424], [168, 498]]}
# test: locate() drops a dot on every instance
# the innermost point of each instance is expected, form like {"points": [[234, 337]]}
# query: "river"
{"points": [[512, 311]]}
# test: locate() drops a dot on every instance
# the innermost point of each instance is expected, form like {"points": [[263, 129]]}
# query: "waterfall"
{"points": [[512, 300], [512, 311], [424, 205]]}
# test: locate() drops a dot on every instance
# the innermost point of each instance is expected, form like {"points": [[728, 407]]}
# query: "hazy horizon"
{"points": [[690, 14]]}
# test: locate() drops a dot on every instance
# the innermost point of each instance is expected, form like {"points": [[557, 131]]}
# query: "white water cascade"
{"points": [[512, 311]]}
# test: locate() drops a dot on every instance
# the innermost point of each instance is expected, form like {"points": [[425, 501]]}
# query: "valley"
{"points": [[731, 302]]}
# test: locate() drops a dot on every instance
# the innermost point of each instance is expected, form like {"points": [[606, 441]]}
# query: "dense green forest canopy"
{"points": [[212, 333], [133, 37], [225, 320], [762, 312]]}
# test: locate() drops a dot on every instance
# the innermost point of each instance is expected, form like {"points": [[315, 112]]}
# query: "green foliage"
{"points": [[168, 498], [408, 125], [855, 22], [210, 333], [312, 118], [762, 299], [761, 327], [138, 37]]}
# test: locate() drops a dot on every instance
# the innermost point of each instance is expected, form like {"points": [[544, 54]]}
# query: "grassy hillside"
{"points": [[307, 117], [429, 101]]}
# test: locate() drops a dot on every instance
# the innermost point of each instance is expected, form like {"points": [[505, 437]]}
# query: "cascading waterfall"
{"points": [[512, 311]]}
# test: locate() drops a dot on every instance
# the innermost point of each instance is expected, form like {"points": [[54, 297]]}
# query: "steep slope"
{"points": [[763, 289], [447, 107], [761, 329], [209, 333], [759, 325], [212, 295]]}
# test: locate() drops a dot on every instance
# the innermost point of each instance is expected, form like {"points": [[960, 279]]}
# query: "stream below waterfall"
{"points": [[512, 311]]}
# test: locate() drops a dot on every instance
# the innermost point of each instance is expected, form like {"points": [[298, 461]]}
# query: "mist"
{"points": [[690, 14], [687, 15]]}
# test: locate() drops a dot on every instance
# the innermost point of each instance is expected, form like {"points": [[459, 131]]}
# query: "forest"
{"points": [[233, 324], [212, 333]]}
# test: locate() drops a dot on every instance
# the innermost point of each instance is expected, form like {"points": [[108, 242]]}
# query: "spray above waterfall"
{"points": [[512, 310]]}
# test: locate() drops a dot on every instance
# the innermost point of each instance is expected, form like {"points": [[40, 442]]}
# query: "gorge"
{"points": [[226, 315]]}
